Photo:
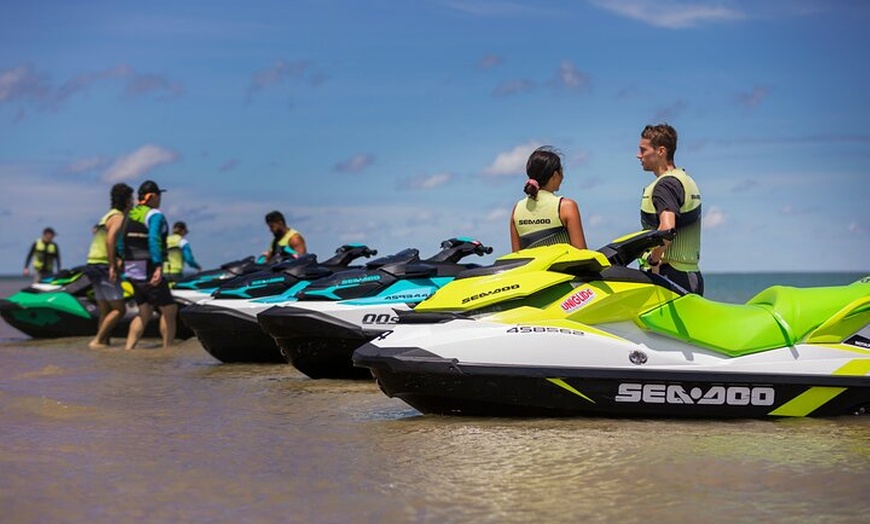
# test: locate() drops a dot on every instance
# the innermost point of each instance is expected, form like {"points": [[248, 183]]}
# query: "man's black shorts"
{"points": [[158, 295]]}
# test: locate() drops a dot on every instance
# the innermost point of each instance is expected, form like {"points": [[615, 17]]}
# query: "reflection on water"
{"points": [[173, 436]]}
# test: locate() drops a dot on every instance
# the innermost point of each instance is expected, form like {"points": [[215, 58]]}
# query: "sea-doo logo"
{"points": [[383, 318], [266, 281], [545, 329], [715, 396], [578, 300], [534, 221], [360, 280], [488, 293]]}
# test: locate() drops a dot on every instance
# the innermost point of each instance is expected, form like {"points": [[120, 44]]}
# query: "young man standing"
{"points": [[44, 252], [144, 251], [671, 201]]}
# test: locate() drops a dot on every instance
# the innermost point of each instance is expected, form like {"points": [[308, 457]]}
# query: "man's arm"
{"points": [[113, 231], [667, 198], [297, 243], [29, 258], [156, 224], [187, 255]]}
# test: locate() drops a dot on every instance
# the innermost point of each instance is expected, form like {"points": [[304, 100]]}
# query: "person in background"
{"points": [[287, 241], [144, 250], [44, 253], [178, 253], [544, 218], [104, 265], [671, 201]]}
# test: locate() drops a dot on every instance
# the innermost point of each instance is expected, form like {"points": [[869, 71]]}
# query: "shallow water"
{"points": [[174, 436]]}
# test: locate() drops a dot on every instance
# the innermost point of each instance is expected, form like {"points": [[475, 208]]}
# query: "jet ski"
{"points": [[63, 305], [319, 330], [226, 324], [201, 285], [558, 331]]}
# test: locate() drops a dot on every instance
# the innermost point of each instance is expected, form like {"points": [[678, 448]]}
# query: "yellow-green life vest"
{"points": [[279, 244], [684, 251], [44, 255], [98, 253], [174, 257], [537, 221]]}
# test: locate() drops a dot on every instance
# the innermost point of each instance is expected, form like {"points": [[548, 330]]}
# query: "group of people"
{"points": [[671, 201], [133, 239]]}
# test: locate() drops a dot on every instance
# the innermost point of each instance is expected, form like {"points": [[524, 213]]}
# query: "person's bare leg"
{"points": [[97, 341], [104, 335], [137, 325], [168, 324]]}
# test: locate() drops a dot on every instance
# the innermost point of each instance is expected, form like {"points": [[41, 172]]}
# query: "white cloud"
{"points": [[714, 217], [84, 165], [355, 163], [857, 229], [22, 82], [512, 162], [139, 163], [670, 14], [594, 220], [570, 78], [498, 214], [426, 182]]}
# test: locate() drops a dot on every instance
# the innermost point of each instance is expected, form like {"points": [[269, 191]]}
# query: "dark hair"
{"points": [[543, 163], [178, 226], [275, 216], [48, 230], [120, 195], [662, 135]]}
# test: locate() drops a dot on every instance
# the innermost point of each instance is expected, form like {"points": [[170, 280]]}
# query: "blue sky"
{"points": [[402, 123]]}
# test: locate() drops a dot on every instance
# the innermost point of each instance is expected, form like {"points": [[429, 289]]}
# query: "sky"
{"points": [[403, 123]]}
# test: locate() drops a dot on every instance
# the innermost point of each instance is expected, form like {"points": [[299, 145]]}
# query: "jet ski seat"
{"points": [[779, 316], [802, 310]]}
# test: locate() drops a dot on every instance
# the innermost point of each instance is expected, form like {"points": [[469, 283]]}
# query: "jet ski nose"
{"points": [[8, 305]]}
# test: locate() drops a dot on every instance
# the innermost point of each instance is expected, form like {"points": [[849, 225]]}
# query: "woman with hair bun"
{"points": [[543, 218]]}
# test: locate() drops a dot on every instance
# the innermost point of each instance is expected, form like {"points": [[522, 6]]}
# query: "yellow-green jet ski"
{"points": [[559, 331]]}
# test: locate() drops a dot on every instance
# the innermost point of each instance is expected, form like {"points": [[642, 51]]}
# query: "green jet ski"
{"points": [[63, 305], [558, 331]]}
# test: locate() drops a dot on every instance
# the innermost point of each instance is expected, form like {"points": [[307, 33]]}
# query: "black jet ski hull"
{"points": [[230, 336], [320, 346], [432, 384]]}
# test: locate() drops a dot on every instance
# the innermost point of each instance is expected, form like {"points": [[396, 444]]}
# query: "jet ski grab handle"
{"points": [[455, 249], [624, 251]]}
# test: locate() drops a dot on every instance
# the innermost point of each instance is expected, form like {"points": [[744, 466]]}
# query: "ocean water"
{"points": [[172, 435]]}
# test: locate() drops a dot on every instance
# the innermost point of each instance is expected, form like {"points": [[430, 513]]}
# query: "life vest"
{"points": [[138, 263], [684, 251], [282, 245], [538, 223], [45, 253], [98, 253], [174, 264]]}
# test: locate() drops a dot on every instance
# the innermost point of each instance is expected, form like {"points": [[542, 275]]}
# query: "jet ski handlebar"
{"points": [[347, 253], [625, 250], [455, 249]]}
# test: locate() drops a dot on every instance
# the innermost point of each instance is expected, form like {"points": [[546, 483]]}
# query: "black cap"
{"points": [[149, 186]]}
